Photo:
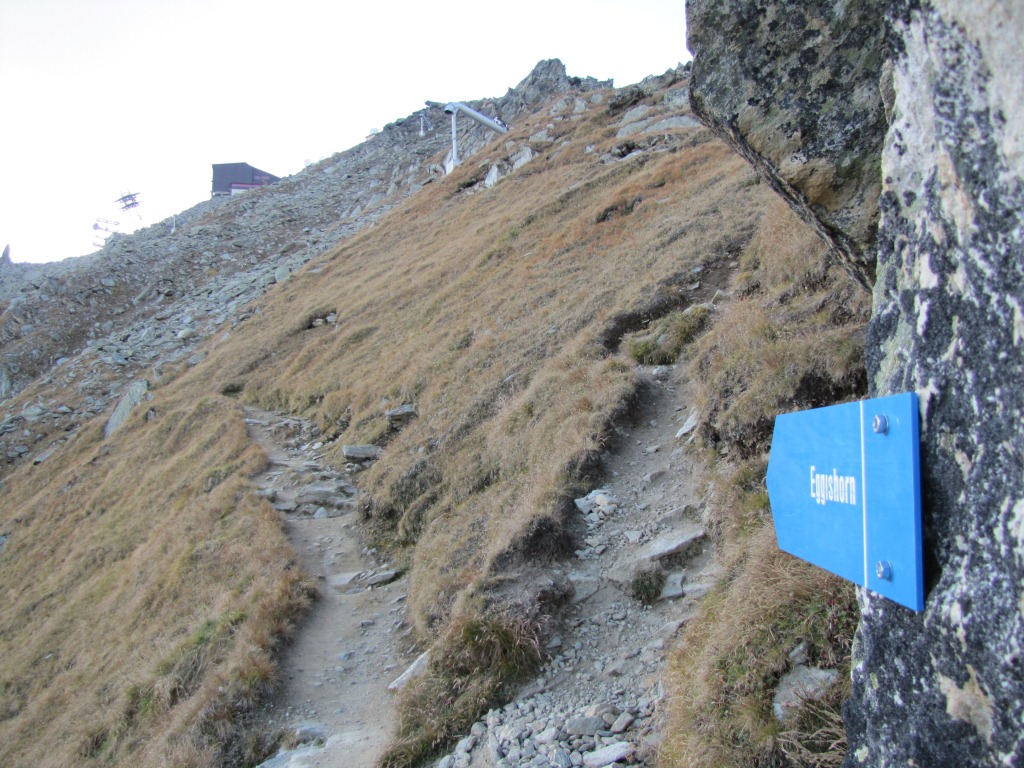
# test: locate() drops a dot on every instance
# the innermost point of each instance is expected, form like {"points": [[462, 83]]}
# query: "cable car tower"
{"points": [[425, 124], [453, 108], [128, 201]]}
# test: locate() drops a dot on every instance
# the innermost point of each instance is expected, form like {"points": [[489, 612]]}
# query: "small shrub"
{"points": [[646, 350], [648, 581]]}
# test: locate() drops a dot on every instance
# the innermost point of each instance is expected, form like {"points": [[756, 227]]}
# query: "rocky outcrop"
{"points": [[547, 79], [941, 687], [795, 90]]}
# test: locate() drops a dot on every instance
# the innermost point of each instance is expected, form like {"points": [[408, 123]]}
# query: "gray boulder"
{"points": [[584, 726], [800, 684], [401, 415], [522, 157], [361, 452], [494, 175], [612, 753], [673, 542], [132, 397]]}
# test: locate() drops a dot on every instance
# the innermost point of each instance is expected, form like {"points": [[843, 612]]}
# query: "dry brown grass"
{"points": [[794, 339], [145, 585], [791, 338], [723, 672]]}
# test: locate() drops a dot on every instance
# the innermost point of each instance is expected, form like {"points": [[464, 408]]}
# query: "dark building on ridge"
{"points": [[229, 178]]}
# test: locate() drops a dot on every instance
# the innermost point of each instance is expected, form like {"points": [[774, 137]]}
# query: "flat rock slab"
{"points": [[361, 452], [342, 580], [321, 495], [291, 758], [620, 750], [585, 726], [384, 577], [415, 669], [689, 426], [401, 414], [584, 587], [673, 586], [132, 397], [339, 511], [673, 543], [622, 722]]}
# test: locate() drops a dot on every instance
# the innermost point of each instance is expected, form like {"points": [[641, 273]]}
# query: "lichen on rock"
{"points": [[795, 90], [945, 324]]}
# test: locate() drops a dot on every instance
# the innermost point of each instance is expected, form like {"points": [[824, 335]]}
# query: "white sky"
{"points": [[103, 97]]}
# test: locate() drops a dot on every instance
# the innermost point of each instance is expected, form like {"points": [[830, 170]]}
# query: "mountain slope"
{"points": [[149, 586]]}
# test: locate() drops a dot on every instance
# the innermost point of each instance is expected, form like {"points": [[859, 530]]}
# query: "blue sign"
{"points": [[845, 489]]}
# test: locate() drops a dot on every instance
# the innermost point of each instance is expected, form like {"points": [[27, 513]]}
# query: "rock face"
{"points": [[942, 687], [795, 90], [948, 323], [547, 79]]}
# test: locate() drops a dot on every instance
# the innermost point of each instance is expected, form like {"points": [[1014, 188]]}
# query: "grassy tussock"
{"points": [[791, 338], [483, 653], [647, 583], [662, 344]]}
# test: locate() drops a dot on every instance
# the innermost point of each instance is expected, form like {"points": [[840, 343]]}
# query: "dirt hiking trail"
{"points": [[596, 699]]}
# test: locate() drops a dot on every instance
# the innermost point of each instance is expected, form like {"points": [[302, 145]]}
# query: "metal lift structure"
{"points": [[453, 108]]}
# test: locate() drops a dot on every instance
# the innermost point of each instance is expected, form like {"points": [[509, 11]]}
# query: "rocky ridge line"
{"points": [[231, 249]]}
